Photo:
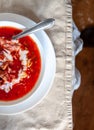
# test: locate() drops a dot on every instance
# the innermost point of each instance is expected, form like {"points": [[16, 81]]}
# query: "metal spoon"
{"points": [[42, 25]]}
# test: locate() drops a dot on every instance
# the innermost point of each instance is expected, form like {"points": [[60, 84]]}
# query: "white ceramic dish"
{"points": [[48, 65]]}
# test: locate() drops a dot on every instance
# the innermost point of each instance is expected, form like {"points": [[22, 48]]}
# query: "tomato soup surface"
{"points": [[20, 64]]}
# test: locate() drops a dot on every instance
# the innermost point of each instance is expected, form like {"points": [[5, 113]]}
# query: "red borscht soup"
{"points": [[20, 64]]}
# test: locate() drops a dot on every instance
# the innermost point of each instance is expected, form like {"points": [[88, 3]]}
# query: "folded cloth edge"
{"points": [[69, 64]]}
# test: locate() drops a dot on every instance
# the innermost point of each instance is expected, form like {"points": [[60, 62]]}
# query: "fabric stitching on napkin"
{"points": [[69, 63]]}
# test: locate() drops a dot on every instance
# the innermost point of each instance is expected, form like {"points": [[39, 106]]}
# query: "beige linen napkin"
{"points": [[55, 111]]}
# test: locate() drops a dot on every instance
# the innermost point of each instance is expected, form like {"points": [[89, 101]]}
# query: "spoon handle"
{"points": [[40, 26]]}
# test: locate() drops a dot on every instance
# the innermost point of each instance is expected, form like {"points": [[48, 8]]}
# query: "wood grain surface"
{"points": [[83, 98]]}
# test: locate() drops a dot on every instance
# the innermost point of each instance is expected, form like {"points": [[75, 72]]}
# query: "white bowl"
{"points": [[44, 82]]}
